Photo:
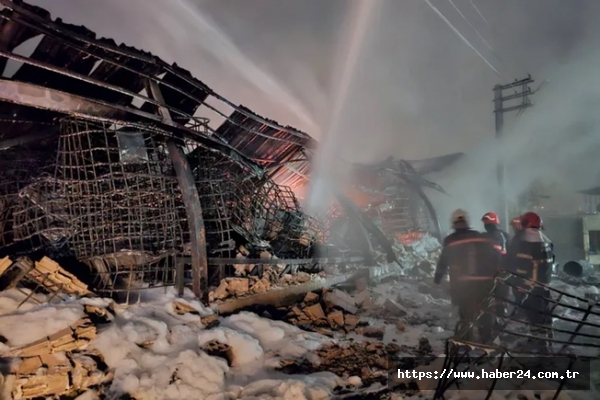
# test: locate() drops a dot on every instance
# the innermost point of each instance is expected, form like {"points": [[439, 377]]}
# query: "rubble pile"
{"points": [[45, 274], [249, 285], [420, 255], [60, 364], [330, 310], [368, 360]]}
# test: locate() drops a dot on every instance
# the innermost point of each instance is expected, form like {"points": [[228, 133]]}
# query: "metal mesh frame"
{"points": [[20, 169], [237, 203], [118, 199], [574, 317], [41, 212], [404, 215], [573, 335], [123, 203]]}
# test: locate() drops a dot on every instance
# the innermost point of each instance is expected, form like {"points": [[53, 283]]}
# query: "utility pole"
{"points": [[522, 91]]}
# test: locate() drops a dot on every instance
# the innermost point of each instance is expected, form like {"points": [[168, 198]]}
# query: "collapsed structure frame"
{"points": [[93, 81]]}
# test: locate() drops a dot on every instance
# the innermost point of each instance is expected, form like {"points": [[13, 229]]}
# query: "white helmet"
{"points": [[459, 216]]}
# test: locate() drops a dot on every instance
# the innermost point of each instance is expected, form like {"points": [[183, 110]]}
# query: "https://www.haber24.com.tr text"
{"points": [[483, 374]]}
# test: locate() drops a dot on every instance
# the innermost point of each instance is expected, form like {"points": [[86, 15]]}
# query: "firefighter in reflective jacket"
{"points": [[531, 256], [491, 224], [471, 261], [517, 229]]}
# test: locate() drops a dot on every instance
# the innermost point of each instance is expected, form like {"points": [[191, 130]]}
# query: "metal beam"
{"points": [[193, 207], [51, 28], [27, 94], [35, 96], [193, 210]]}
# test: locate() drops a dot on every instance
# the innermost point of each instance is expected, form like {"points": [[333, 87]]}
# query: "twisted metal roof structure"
{"points": [[73, 72]]}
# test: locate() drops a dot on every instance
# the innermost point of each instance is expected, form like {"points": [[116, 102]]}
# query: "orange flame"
{"points": [[408, 238]]}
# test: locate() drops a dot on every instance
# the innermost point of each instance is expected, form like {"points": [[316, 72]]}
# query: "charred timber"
{"points": [[195, 221]]}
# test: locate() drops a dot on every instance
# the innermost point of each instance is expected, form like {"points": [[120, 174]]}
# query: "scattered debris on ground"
{"points": [[249, 285], [60, 364]]}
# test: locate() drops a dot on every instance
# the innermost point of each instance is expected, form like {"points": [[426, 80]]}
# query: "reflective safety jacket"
{"points": [[499, 237], [468, 256], [531, 255]]}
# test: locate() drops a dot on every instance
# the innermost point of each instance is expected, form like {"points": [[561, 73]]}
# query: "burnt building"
{"points": [[103, 159]]}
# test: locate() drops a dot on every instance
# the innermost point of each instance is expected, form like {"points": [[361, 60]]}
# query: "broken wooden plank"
{"points": [[75, 337], [5, 263]]}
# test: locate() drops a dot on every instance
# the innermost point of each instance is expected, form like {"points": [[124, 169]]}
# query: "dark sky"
{"points": [[417, 90]]}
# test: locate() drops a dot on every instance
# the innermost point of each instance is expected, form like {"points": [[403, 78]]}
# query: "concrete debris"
{"points": [[324, 313], [401, 326], [376, 332], [394, 309], [250, 285], [181, 308], [337, 298], [362, 298], [218, 349], [75, 337], [60, 364], [314, 312], [367, 360], [336, 319], [210, 321], [311, 298]]}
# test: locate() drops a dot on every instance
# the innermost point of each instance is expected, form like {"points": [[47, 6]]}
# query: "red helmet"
{"points": [[531, 220], [516, 223], [490, 219]]}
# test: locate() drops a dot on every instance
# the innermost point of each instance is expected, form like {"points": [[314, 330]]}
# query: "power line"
{"points": [[519, 62], [456, 31], [472, 27], [489, 46], [480, 14]]}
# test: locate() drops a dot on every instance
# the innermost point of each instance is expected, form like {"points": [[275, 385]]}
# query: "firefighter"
{"points": [[517, 291], [531, 256], [471, 261], [491, 224]]}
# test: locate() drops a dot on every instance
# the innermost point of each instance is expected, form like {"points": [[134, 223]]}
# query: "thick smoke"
{"points": [[556, 142], [417, 90]]}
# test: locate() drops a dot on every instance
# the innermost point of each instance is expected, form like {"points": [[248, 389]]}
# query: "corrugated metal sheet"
{"points": [[270, 147]]}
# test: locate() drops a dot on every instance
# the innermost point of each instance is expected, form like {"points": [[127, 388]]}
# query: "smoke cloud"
{"points": [[417, 89]]}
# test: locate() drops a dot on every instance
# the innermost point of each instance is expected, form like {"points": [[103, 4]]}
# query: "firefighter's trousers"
{"points": [[537, 309], [468, 295]]}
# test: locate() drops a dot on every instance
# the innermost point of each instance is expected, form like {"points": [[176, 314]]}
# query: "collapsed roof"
{"points": [[73, 72]]}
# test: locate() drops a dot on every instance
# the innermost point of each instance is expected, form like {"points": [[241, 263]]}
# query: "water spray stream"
{"points": [[324, 172], [214, 40]]}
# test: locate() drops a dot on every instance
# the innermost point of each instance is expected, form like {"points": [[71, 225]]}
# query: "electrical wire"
{"points": [[489, 46], [472, 27], [519, 61], [457, 32], [480, 14]]}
